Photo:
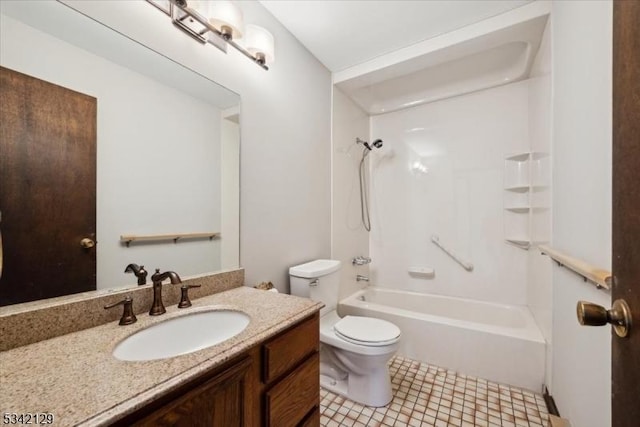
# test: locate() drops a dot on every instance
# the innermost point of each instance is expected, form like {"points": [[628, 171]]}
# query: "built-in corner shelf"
{"points": [[127, 239], [526, 193], [518, 157], [523, 243], [518, 188], [518, 209]]}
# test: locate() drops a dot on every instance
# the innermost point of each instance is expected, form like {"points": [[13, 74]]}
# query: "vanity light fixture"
{"points": [[259, 42], [220, 23]]}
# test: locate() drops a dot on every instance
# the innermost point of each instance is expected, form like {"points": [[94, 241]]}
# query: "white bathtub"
{"points": [[497, 342]]}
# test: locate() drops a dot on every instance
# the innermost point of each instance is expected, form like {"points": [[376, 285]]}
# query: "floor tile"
{"points": [[426, 395]]}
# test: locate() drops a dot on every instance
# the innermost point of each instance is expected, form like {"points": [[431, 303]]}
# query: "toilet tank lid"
{"points": [[317, 268]]}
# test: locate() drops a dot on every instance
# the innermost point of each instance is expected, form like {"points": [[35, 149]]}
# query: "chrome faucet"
{"points": [[361, 278], [139, 271], [157, 307], [361, 260]]}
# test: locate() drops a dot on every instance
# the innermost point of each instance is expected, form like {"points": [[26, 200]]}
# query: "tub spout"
{"points": [[361, 278]]}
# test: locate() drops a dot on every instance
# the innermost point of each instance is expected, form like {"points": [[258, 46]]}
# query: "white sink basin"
{"points": [[182, 335]]}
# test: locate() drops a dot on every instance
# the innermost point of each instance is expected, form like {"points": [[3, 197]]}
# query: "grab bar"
{"points": [[600, 277], [466, 265]]}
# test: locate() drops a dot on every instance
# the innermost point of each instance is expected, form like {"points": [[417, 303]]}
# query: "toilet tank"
{"points": [[318, 280]]}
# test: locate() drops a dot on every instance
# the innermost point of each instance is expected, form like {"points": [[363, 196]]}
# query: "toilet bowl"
{"points": [[354, 350]]}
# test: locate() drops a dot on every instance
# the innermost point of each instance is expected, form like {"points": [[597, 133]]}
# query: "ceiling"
{"points": [[345, 33]]}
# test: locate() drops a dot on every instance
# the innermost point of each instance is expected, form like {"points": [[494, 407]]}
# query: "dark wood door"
{"points": [[47, 189], [626, 208]]}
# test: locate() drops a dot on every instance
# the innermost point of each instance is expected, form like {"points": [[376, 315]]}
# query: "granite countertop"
{"points": [[76, 378]]}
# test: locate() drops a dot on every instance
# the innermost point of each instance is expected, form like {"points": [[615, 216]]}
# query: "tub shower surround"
{"points": [[496, 341], [438, 183], [441, 173]]}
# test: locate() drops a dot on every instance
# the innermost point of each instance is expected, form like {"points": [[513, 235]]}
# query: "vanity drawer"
{"points": [[284, 352], [295, 396]]}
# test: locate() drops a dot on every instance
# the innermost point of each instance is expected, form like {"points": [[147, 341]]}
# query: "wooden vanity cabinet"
{"points": [[219, 401], [275, 383], [291, 374]]}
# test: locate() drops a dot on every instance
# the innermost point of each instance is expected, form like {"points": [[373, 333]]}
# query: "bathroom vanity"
{"points": [[275, 383], [268, 374]]}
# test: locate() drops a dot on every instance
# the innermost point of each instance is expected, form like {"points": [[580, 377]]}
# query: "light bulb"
{"points": [[226, 17], [259, 42]]}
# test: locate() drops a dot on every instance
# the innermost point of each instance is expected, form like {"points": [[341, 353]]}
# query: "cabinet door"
{"points": [[290, 400], [220, 401]]}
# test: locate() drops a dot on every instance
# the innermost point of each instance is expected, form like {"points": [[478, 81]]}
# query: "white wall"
{"points": [[348, 236], [153, 177], [462, 141], [539, 279], [582, 57], [230, 188], [285, 129]]}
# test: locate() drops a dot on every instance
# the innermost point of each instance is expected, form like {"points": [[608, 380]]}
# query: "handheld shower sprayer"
{"points": [[364, 202], [363, 142], [375, 144]]}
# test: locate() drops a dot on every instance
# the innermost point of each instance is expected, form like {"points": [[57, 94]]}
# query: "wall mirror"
{"points": [[166, 155]]}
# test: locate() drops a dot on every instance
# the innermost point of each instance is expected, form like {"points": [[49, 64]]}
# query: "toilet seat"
{"points": [[367, 331]]}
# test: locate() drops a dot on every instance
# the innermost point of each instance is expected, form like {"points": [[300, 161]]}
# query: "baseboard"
{"points": [[552, 409], [555, 421], [554, 416]]}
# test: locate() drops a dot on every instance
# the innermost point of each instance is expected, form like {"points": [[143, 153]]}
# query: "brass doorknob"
{"points": [[87, 243], [619, 316]]}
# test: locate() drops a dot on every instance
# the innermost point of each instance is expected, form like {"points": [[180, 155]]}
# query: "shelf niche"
{"points": [[526, 193]]}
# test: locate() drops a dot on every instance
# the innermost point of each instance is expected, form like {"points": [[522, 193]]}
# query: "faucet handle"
{"points": [[361, 260], [184, 297], [127, 314]]}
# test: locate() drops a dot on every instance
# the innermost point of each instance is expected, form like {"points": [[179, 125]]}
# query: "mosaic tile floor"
{"points": [[425, 395]]}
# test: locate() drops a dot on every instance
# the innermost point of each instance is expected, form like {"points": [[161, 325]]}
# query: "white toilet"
{"points": [[354, 350]]}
